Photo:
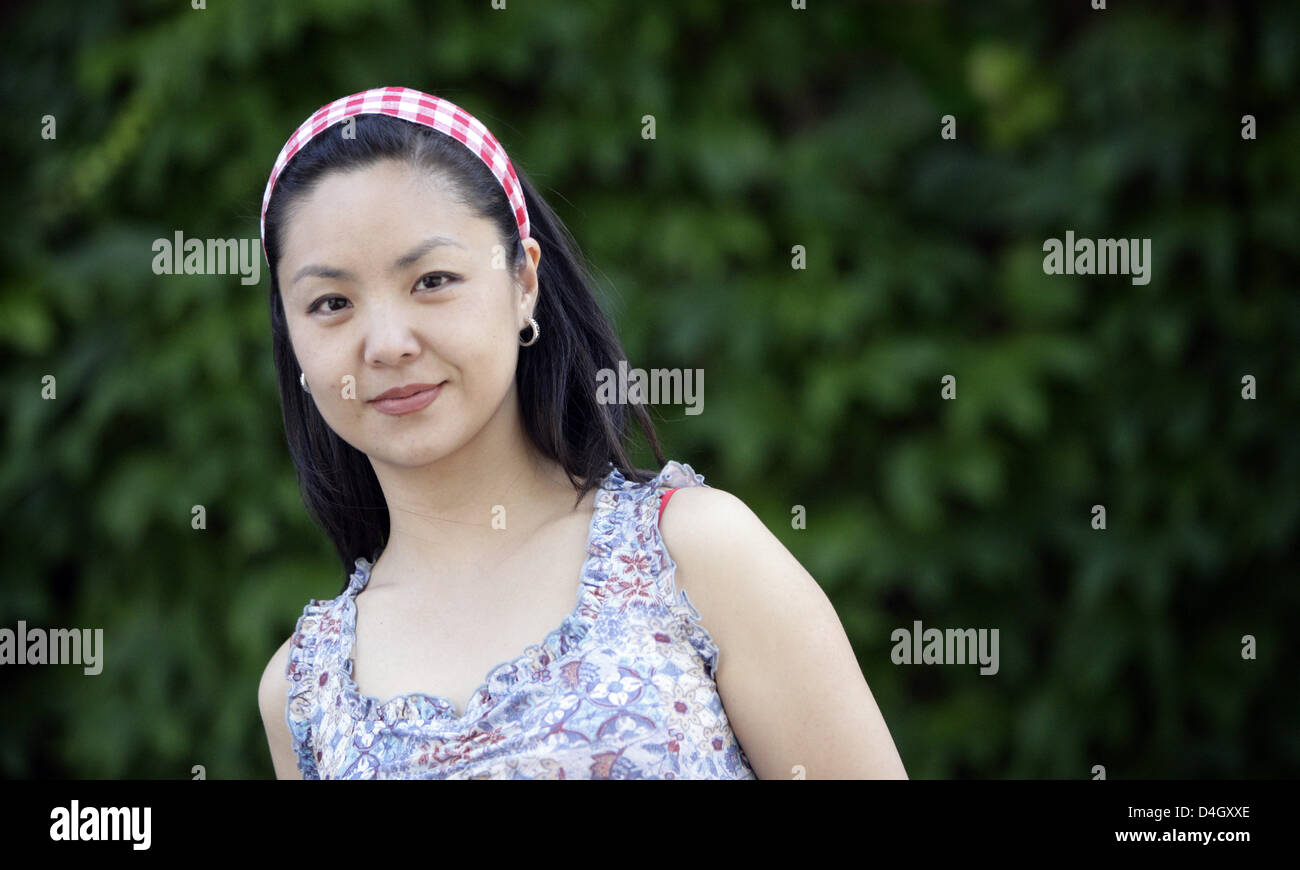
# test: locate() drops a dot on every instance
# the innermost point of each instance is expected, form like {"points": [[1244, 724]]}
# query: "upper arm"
{"points": [[786, 673], [272, 698]]}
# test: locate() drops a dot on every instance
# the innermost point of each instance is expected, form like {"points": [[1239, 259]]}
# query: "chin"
{"points": [[414, 452], [407, 456]]}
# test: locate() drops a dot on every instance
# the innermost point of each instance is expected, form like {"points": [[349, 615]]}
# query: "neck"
{"points": [[469, 510]]}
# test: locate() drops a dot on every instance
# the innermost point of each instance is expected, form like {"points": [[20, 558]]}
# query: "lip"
{"points": [[408, 404]]}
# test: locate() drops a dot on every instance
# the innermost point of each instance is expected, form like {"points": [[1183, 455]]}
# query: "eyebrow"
{"points": [[401, 262]]}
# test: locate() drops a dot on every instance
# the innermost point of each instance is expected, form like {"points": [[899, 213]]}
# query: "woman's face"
{"points": [[387, 281]]}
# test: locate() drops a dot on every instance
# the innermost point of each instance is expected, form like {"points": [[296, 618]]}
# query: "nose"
{"points": [[389, 337]]}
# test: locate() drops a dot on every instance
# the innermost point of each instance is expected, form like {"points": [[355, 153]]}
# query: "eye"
{"points": [[324, 299], [420, 284]]}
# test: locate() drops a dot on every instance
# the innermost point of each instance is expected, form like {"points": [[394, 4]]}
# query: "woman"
{"points": [[438, 350]]}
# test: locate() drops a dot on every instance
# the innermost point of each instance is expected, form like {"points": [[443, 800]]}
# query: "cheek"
{"points": [[304, 350], [484, 360], [484, 356]]}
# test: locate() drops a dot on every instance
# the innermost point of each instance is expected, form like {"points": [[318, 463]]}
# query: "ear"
{"points": [[527, 283]]}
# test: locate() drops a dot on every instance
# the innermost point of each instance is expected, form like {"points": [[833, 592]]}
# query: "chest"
{"points": [[420, 638]]}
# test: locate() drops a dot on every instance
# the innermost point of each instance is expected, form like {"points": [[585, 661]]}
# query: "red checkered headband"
{"points": [[419, 108]]}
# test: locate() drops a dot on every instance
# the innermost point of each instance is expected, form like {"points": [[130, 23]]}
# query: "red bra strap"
{"points": [[663, 501]]}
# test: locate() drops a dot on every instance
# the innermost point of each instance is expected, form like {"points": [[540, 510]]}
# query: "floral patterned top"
{"points": [[622, 689]]}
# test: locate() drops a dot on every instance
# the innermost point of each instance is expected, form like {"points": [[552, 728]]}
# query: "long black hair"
{"points": [[556, 378]]}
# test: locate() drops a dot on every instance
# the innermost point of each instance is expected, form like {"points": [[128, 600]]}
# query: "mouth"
{"points": [[407, 399]]}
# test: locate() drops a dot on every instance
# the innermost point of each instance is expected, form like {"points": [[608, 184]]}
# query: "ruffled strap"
{"points": [[310, 666], [675, 475], [360, 577], [300, 711]]}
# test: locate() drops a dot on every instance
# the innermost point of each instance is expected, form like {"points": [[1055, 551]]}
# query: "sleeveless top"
{"points": [[623, 688]]}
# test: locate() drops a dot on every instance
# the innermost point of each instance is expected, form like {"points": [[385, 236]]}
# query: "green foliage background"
{"points": [[775, 128]]}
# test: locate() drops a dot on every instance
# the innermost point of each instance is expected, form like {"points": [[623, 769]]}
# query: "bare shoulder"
{"points": [[705, 504], [272, 691], [272, 699], [718, 544], [702, 526], [788, 678]]}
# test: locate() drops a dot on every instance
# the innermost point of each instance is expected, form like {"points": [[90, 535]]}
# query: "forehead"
{"points": [[373, 214]]}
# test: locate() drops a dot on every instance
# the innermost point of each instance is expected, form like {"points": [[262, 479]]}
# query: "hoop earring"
{"points": [[302, 379], [537, 331]]}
